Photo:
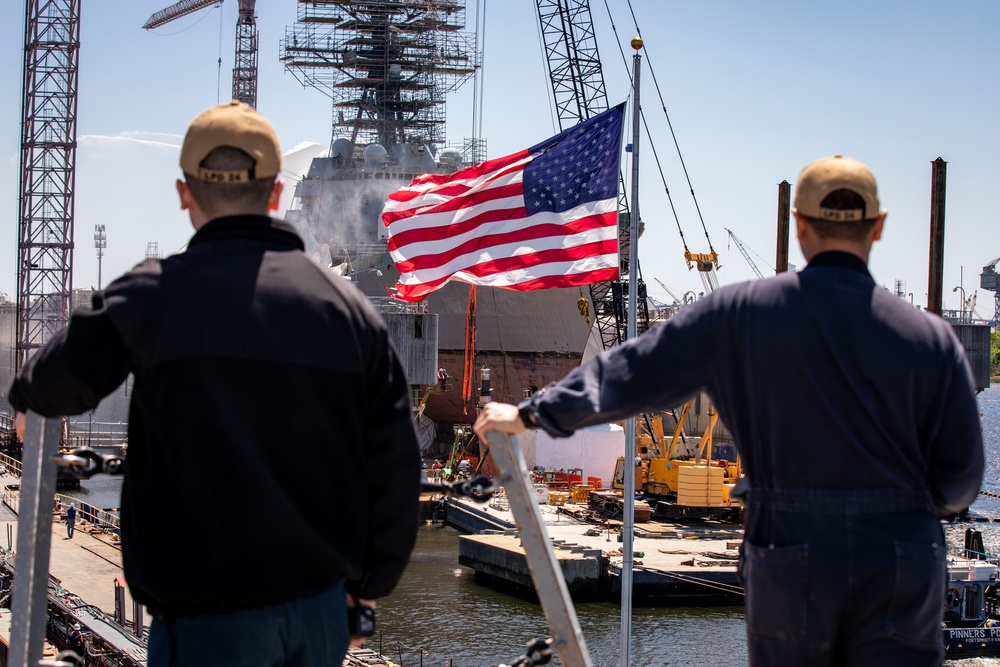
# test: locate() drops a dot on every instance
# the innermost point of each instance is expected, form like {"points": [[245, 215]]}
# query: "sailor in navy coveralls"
{"points": [[856, 418]]}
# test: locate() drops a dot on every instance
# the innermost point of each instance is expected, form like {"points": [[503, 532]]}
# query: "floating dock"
{"points": [[673, 564]]}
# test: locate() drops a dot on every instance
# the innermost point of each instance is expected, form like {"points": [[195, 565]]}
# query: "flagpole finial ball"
{"points": [[637, 43]]}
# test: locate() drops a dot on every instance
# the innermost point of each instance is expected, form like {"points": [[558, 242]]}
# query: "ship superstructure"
{"points": [[387, 66]]}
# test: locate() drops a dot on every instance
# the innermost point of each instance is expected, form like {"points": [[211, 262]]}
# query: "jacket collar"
{"points": [[259, 228], [839, 260]]}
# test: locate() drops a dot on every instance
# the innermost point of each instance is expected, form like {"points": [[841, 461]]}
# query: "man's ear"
{"points": [[184, 193], [879, 226], [800, 224]]}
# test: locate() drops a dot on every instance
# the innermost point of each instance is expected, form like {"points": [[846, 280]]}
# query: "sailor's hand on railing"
{"points": [[501, 417], [84, 463]]}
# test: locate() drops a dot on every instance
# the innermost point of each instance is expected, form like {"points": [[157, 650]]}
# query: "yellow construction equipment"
{"points": [[680, 481]]}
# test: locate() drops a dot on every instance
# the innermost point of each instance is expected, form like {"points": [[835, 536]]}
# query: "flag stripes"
{"points": [[539, 218]]}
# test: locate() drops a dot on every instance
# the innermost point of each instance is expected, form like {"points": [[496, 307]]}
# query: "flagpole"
{"points": [[628, 500]]}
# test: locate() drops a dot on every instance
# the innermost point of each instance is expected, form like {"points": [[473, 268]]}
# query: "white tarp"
{"points": [[595, 450]]}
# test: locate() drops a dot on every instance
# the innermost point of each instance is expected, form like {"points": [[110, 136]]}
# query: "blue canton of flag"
{"points": [[582, 169]]}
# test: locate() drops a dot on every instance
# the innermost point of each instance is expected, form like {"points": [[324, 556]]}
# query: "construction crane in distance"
{"points": [[674, 294], [245, 65], [746, 255]]}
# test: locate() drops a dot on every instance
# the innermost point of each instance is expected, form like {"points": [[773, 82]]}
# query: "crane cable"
{"points": [[680, 157], [218, 76], [673, 135], [656, 156]]}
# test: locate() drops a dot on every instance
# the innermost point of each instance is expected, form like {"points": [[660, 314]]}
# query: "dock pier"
{"points": [[86, 586]]}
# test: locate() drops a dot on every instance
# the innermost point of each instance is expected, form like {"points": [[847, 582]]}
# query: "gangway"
{"points": [[550, 585]]}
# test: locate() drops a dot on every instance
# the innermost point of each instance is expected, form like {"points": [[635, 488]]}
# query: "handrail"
{"points": [[550, 584], [34, 539]]}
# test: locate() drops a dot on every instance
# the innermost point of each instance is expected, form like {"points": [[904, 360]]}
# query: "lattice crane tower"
{"points": [[46, 192], [245, 66], [578, 91]]}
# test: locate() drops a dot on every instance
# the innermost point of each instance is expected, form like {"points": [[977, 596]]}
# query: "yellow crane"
{"points": [[682, 484]]}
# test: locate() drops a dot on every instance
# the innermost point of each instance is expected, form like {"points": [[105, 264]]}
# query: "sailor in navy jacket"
{"points": [[265, 387]]}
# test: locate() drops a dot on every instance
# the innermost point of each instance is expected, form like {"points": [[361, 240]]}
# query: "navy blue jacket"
{"points": [[826, 380], [271, 448]]}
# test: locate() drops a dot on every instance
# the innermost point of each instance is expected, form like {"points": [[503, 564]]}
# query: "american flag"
{"points": [[542, 217]]}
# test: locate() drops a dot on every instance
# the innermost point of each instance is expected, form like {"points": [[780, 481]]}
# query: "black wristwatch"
{"points": [[525, 413]]}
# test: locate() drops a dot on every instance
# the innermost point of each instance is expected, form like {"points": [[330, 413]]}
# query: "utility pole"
{"points": [[628, 494], [100, 242], [935, 271]]}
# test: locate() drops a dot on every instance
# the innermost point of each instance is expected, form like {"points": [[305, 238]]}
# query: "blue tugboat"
{"points": [[972, 601]]}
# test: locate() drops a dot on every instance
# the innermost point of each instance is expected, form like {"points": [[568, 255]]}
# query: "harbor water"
{"points": [[440, 616]]}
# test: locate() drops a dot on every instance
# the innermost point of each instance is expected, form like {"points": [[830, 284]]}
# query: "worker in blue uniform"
{"points": [[70, 519], [856, 419], [261, 378]]}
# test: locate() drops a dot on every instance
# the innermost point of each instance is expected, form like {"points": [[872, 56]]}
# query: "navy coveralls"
{"points": [[856, 419]]}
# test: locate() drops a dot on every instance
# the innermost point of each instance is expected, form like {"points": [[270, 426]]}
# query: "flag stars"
{"points": [[578, 168]]}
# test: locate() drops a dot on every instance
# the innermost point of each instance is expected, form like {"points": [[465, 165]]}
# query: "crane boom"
{"points": [[177, 10], [746, 255], [679, 298]]}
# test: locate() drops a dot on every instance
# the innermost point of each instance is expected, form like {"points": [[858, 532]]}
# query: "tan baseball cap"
{"points": [[238, 126], [822, 177]]}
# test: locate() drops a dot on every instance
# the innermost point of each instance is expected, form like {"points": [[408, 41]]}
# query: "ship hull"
{"points": [[525, 339]]}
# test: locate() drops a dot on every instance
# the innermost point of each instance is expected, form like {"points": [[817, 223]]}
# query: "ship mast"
{"points": [[386, 65]]}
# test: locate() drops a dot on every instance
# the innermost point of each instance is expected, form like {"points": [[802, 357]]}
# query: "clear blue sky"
{"points": [[754, 92]]}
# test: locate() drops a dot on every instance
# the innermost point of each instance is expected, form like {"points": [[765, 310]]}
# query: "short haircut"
{"points": [[851, 230], [221, 199]]}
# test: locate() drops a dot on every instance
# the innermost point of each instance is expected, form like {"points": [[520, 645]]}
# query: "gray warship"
{"points": [[387, 67]]}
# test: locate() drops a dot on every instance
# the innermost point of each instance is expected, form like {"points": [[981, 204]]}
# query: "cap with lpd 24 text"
{"points": [[234, 125], [823, 177]]}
